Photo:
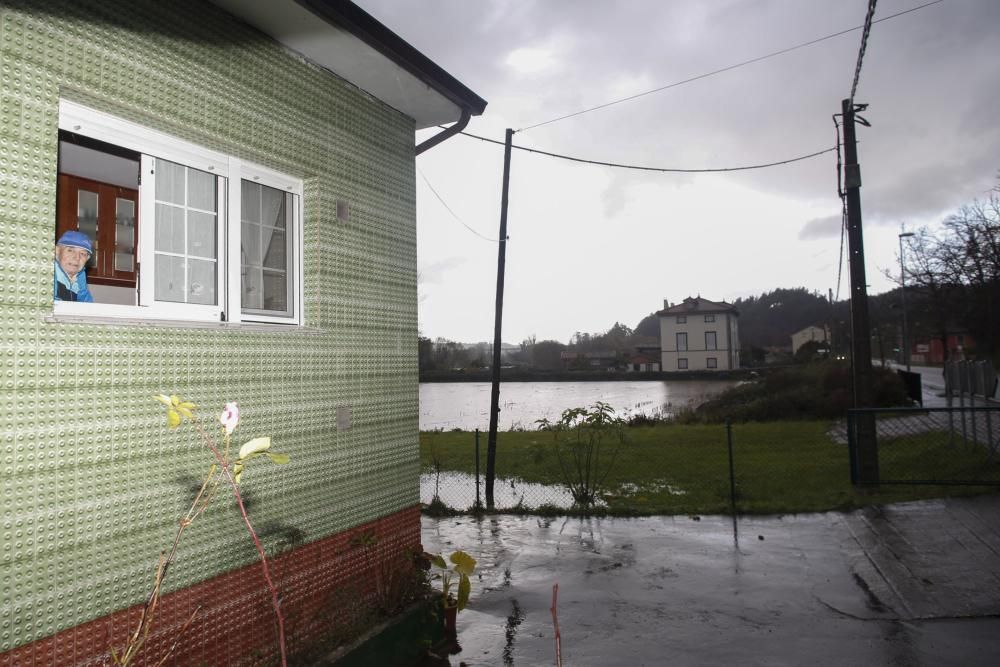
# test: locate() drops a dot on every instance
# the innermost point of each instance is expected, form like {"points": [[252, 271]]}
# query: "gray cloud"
{"points": [[821, 228]]}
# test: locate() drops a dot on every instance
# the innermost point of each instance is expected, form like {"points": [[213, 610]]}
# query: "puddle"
{"points": [[655, 486], [458, 490]]}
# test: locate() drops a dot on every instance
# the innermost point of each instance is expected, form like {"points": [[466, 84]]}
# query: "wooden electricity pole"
{"points": [[861, 344], [491, 443]]}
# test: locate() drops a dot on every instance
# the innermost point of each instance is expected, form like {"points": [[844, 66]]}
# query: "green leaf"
{"points": [[280, 459], [255, 446], [464, 589], [163, 398], [464, 563], [237, 472], [438, 561], [173, 419]]}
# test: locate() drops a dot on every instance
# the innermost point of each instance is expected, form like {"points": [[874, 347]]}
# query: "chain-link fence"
{"points": [[714, 468], [952, 446]]}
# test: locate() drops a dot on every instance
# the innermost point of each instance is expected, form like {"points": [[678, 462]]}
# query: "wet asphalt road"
{"points": [[909, 584]]}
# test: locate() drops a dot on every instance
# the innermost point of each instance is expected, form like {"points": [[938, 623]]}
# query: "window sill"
{"points": [[108, 320]]}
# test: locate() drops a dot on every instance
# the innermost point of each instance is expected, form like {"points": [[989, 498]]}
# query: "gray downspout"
{"points": [[444, 136]]}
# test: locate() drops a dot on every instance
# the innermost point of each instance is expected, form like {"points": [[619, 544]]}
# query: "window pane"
{"points": [[169, 182], [266, 249], [169, 278], [251, 201], [251, 244], [86, 213], [201, 234], [273, 207], [275, 291], [201, 281], [201, 190], [253, 290], [274, 244], [682, 341], [124, 234], [169, 228]]}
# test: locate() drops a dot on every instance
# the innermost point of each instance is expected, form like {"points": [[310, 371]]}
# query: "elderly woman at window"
{"points": [[69, 283]]}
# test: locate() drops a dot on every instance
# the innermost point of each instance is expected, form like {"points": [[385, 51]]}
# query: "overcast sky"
{"points": [[592, 245]]}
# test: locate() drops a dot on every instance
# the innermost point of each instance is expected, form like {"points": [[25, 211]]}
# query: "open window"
{"points": [[179, 231], [98, 195]]}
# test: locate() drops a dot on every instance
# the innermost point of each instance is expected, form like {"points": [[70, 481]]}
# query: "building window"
{"points": [[710, 318], [682, 364], [200, 235], [712, 362], [682, 319], [682, 341], [711, 341]]}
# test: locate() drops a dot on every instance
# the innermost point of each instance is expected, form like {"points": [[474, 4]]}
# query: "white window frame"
{"points": [[682, 364], [710, 318], [229, 171], [715, 340], [712, 362]]}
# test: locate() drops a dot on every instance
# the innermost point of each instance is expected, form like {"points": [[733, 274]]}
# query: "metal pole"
{"points": [[902, 298], [479, 503], [861, 344], [491, 443]]}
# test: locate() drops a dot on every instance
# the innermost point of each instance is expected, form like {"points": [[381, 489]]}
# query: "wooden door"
{"points": [[109, 215]]}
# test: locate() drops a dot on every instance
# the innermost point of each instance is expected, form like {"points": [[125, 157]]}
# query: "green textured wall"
{"points": [[92, 482]]}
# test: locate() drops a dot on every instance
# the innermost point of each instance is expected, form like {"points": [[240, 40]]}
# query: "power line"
{"points": [[866, 27], [658, 169], [453, 214], [864, 45]]}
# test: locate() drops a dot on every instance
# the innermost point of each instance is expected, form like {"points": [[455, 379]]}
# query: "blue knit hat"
{"points": [[75, 239]]}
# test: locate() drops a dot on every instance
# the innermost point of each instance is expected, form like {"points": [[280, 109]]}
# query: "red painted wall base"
{"points": [[325, 587]]}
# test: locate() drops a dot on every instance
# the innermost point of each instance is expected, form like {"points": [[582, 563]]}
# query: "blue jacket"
{"points": [[64, 289]]}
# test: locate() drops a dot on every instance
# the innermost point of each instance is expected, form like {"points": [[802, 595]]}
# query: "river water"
{"points": [[466, 405]]}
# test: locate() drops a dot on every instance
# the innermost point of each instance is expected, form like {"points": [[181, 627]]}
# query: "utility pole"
{"points": [[902, 297], [491, 442], [861, 344]]}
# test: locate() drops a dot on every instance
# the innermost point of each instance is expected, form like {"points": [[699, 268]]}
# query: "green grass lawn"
{"points": [[780, 467]]}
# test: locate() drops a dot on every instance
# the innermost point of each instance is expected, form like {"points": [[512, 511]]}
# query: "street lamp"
{"points": [[902, 296]]}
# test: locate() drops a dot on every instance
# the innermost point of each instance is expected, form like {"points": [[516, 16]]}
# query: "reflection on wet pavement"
{"points": [[909, 584]]}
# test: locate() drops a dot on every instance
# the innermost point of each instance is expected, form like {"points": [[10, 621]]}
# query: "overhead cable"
{"points": [[864, 45], [659, 169], [453, 214], [866, 27]]}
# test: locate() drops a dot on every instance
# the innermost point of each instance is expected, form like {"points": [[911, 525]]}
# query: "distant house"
{"points": [[643, 363], [931, 350], [699, 335], [810, 333]]}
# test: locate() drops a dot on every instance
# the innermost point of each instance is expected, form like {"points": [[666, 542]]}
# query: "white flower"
{"points": [[230, 417]]}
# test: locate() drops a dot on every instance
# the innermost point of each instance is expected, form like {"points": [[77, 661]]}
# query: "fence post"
{"points": [[986, 404], [478, 501], [732, 472]]}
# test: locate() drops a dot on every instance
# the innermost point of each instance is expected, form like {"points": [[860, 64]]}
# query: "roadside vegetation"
{"points": [[820, 390]]}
